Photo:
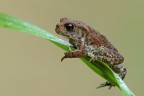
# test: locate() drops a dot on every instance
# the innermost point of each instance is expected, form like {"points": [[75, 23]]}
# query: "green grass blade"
{"points": [[10, 22], [100, 68]]}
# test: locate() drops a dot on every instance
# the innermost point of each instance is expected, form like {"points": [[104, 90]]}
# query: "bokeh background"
{"points": [[30, 66]]}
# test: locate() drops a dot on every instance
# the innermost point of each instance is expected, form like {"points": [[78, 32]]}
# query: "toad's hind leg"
{"points": [[117, 68], [120, 70]]}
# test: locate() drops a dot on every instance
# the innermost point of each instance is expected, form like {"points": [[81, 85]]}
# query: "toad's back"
{"points": [[97, 39], [98, 45]]}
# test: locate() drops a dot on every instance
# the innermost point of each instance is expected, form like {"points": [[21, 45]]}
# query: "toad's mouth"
{"points": [[62, 33]]}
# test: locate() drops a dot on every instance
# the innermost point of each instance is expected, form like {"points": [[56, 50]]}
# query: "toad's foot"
{"points": [[110, 85]]}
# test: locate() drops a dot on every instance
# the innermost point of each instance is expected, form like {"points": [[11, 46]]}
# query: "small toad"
{"points": [[89, 41]]}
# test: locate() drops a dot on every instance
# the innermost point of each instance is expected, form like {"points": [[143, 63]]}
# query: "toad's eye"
{"points": [[69, 27]]}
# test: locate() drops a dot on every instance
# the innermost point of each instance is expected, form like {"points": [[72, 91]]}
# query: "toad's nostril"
{"points": [[57, 28]]}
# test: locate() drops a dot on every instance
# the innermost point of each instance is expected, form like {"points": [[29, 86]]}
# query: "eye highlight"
{"points": [[69, 27]]}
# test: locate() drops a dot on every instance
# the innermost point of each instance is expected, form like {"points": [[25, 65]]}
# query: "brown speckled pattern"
{"points": [[89, 41]]}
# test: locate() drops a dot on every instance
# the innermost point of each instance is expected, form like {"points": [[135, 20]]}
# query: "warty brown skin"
{"points": [[89, 41]]}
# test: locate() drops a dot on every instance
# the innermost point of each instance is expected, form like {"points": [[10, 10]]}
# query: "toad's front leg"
{"points": [[75, 54], [80, 52]]}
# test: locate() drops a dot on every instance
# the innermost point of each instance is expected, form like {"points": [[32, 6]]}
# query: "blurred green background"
{"points": [[30, 66]]}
